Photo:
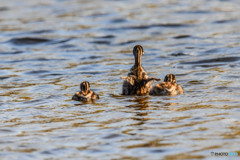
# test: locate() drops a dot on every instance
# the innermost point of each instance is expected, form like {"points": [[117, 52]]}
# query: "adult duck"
{"points": [[137, 81]]}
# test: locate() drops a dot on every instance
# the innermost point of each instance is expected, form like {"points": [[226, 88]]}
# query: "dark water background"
{"points": [[47, 47]]}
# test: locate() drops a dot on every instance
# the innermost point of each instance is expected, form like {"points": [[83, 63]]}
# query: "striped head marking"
{"points": [[85, 86], [138, 50], [170, 78]]}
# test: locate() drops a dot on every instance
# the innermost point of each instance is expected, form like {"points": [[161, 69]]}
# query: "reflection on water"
{"points": [[49, 47]]}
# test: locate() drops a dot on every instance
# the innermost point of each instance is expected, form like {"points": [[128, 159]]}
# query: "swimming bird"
{"points": [[137, 81], [85, 94], [137, 69], [168, 87]]}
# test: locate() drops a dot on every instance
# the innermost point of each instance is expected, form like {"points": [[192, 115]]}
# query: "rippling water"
{"points": [[48, 47]]}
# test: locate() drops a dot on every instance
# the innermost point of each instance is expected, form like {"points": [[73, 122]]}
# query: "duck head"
{"points": [[170, 78], [138, 52], [85, 87]]}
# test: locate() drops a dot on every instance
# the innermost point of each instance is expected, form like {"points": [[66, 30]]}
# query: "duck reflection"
{"points": [[141, 105], [141, 102]]}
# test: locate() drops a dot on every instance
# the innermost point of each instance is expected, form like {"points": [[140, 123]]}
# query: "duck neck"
{"points": [[138, 61], [138, 65]]}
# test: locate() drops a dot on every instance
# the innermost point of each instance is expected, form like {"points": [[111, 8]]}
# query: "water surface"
{"points": [[48, 47]]}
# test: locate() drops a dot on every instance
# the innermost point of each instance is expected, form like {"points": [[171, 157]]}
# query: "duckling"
{"points": [[85, 94], [137, 81], [168, 87]]}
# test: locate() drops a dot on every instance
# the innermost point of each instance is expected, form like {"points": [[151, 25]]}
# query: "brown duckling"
{"points": [[85, 94], [137, 81], [168, 87]]}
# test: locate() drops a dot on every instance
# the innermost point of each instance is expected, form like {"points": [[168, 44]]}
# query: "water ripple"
{"points": [[49, 47]]}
